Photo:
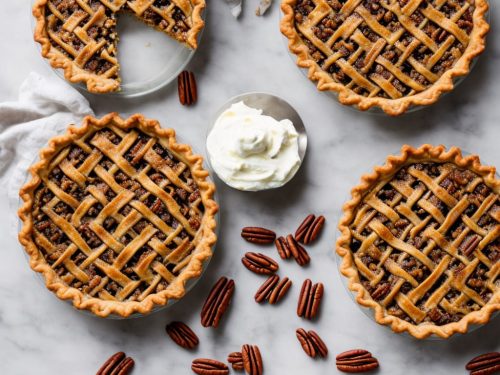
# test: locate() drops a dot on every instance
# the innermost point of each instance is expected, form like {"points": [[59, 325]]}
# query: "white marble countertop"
{"points": [[39, 334]]}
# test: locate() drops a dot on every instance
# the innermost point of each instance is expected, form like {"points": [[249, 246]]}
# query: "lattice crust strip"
{"points": [[118, 214]]}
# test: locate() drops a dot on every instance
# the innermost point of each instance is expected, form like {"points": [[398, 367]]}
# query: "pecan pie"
{"points": [[391, 54], [118, 216], [80, 36], [420, 241]]}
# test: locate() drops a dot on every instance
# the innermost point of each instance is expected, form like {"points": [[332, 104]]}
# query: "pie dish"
{"points": [[391, 54], [420, 242], [118, 216], [80, 36]]}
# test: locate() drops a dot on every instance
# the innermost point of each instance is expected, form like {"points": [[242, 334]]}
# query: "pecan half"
{"points": [[217, 302], [469, 245], [182, 335], [186, 85], [381, 291], [252, 360], [310, 229], [205, 366], [258, 235], [259, 263], [117, 364], [357, 360], [301, 231], [320, 345], [273, 290], [309, 299], [236, 361], [298, 252], [312, 344], [484, 364], [282, 247]]}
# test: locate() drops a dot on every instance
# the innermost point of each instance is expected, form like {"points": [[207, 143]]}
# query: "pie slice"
{"points": [[80, 36], [420, 242], [118, 216], [390, 54]]}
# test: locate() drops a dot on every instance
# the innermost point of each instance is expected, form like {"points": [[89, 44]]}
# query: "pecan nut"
{"points": [[252, 360], [258, 235], [259, 263], [305, 342], [266, 288], [236, 361], [301, 231], [182, 335], [217, 302], [310, 299], [310, 229], [205, 366], [484, 364], [117, 364], [280, 291], [186, 85], [282, 247], [320, 345], [298, 252], [273, 290], [357, 360], [470, 244]]}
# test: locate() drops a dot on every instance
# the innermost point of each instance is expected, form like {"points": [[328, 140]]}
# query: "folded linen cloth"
{"points": [[45, 108]]}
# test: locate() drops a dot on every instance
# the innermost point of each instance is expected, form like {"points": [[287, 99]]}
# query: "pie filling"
{"points": [[426, 243], [117, 229], [381, 48], [85, 31]]}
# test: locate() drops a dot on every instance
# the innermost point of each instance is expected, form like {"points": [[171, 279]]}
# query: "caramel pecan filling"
{"points": [[117, 229], [424, 243], [381, 48]]}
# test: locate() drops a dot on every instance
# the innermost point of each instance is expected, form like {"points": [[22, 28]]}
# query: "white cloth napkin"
{"points": [[45, 108]]}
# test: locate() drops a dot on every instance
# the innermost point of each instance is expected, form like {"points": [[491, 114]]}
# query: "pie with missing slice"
{"points": [[118, 216], [390, 54], [80, 36], [420, 242]]}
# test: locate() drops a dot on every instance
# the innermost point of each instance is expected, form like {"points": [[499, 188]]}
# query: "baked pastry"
{"points": [[80, 36], [420, 241], [391, 54], [118, 216]]}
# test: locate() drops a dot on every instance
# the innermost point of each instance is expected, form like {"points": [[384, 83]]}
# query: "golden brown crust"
{"points": [[392, 107], [393, 163], [201, 253]]}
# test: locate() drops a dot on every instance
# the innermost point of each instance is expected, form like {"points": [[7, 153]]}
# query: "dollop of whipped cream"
{"points": [[251, 151]]}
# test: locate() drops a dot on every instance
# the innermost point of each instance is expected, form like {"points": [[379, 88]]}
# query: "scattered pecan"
{"points": [[205, 366], [252, 360], [117, 364], [484, 364], [381, 291], [310, 229], [273, 290], [217, 302], [182, 335], [309, 299], [259, 263], [258, 235], [469, 245], [356, 360], [282, 247], [186, 84], [298, 252], [312, 344], [236, 361]]}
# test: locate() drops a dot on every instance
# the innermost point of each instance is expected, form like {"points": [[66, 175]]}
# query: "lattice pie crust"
{"points": [[420, 241], [118, 215]]}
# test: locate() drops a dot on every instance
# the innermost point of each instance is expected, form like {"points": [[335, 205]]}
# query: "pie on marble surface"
{"points": [[420, 242], [80, 36], [391, 54], [118, 216]]}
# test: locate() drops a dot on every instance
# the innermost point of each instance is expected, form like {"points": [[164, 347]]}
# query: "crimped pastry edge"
{"points": [[203, 251], [393, 163], [392, 107], [75, 74]]}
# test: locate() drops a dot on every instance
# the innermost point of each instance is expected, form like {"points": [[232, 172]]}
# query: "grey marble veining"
{"points": [[39, 334]]}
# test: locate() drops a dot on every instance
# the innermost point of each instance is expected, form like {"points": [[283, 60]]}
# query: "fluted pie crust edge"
{"points": [[409, 155], [203, 251], [392, 107]]}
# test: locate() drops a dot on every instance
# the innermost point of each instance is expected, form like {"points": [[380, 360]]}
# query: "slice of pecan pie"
{"points": [[80, 36], [118, 216], [391, 54], [420, 242]]}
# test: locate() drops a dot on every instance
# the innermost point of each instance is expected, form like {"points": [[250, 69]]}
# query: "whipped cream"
{"points": [[250, 151]]}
